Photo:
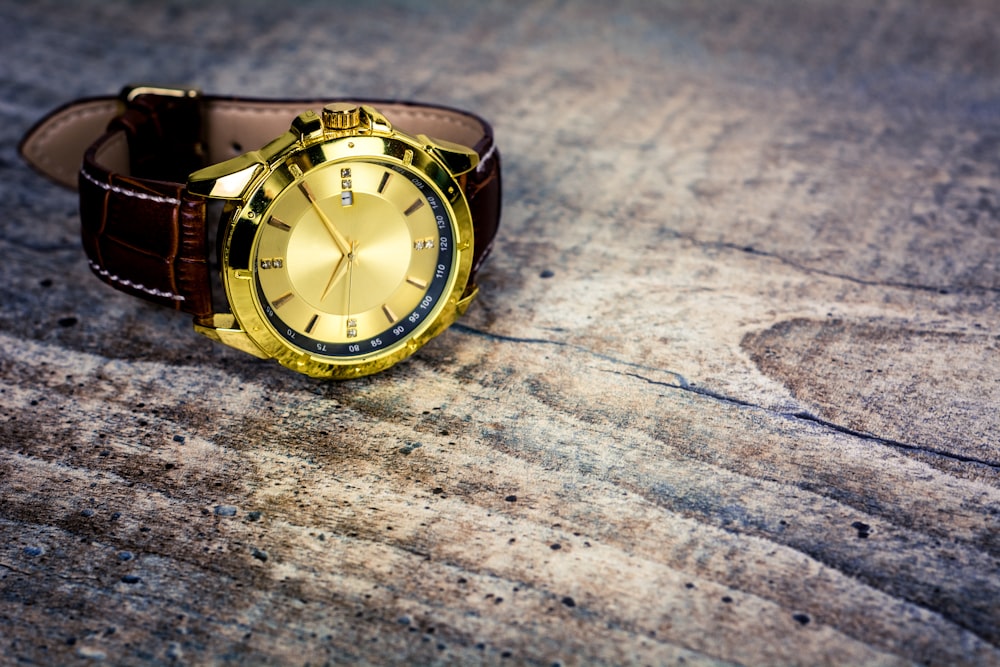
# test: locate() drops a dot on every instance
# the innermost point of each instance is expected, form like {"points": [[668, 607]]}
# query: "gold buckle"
{"points": [[131, 92]]}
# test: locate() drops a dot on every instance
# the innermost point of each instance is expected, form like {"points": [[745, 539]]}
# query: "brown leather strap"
{"points": [[145, 234]]}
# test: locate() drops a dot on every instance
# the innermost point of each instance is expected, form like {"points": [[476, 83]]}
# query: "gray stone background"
{"points": [[728, 395]]}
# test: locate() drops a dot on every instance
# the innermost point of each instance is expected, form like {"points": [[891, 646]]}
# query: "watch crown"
{"points": [[341, 116]]}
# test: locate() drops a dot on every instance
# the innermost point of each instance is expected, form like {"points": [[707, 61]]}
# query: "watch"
{"points": [[350, 231]]}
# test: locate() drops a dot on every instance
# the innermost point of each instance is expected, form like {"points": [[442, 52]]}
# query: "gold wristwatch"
{"points": [[351, 231]]}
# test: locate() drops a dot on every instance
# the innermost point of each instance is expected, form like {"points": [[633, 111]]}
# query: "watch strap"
{"points": [[129, 157]]}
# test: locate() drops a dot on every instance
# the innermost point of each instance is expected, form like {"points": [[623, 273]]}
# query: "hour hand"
{"points": [[338, 273]]}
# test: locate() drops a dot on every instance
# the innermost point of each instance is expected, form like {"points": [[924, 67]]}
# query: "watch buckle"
{"points": [[132, 91], [165, 127]]}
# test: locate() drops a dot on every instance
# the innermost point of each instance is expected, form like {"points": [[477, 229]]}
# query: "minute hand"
{"points": [[338, 238]]}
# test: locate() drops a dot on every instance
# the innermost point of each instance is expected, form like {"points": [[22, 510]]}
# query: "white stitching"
{"points": [[128, 283], [159, 199], [486, 156]]}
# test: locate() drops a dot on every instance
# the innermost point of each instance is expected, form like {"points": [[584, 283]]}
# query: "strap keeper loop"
{"points": [[164, 126]]}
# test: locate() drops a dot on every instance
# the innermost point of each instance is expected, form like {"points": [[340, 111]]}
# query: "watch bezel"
{"points": [[242, 226]]}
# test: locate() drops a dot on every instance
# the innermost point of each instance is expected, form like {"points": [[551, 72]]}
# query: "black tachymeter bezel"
{"points": [[407, 324]]}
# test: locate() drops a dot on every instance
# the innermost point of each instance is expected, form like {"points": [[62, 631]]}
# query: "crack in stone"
{"points": [[934, 289], [683, 385], [802, 415], [681, 380], [799, 266], [11, 568], [805, 416]]}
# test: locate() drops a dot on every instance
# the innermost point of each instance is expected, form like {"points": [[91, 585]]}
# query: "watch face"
{"points": [[353, 257]]}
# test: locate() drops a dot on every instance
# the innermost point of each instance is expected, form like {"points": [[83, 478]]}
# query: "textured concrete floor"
{"points": [[728, 394]]}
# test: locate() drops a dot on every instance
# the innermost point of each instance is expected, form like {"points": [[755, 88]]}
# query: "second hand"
{"points": [[351, 256]]}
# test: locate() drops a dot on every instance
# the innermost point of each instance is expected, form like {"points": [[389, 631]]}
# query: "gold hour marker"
{"points": [[278, 224], [383, 182], [282, 300], [414, 207], [416, 282], [391, 316], [296, 170], [408, 157], [312, 323], [307, 191]]}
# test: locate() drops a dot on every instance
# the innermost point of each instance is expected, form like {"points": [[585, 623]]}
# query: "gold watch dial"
{"points": [[352, 257]]}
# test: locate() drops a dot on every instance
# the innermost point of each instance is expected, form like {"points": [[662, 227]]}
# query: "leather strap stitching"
{"points": [[159, 199], [484, 159], [97, 268]]}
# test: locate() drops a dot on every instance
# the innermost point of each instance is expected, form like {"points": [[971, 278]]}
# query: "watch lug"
{"points": [[280, 145], [307, 123], [375, 122], [466, 301], [228, 179], [457, 158], [224, 329]]}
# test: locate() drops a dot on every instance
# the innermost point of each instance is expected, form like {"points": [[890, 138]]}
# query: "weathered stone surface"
{"points": [[728, 394]]}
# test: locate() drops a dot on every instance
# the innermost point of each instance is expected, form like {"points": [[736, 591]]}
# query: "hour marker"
{"points": [[307, 191], [414, 207], [352, 331], [424, 244], [408, 157], [278, 224], [282, 300], [345, 172], [312, 323], [346, 198], [272, 263], [416, 282], [391, 316], [296, 170], [383, 182]]}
